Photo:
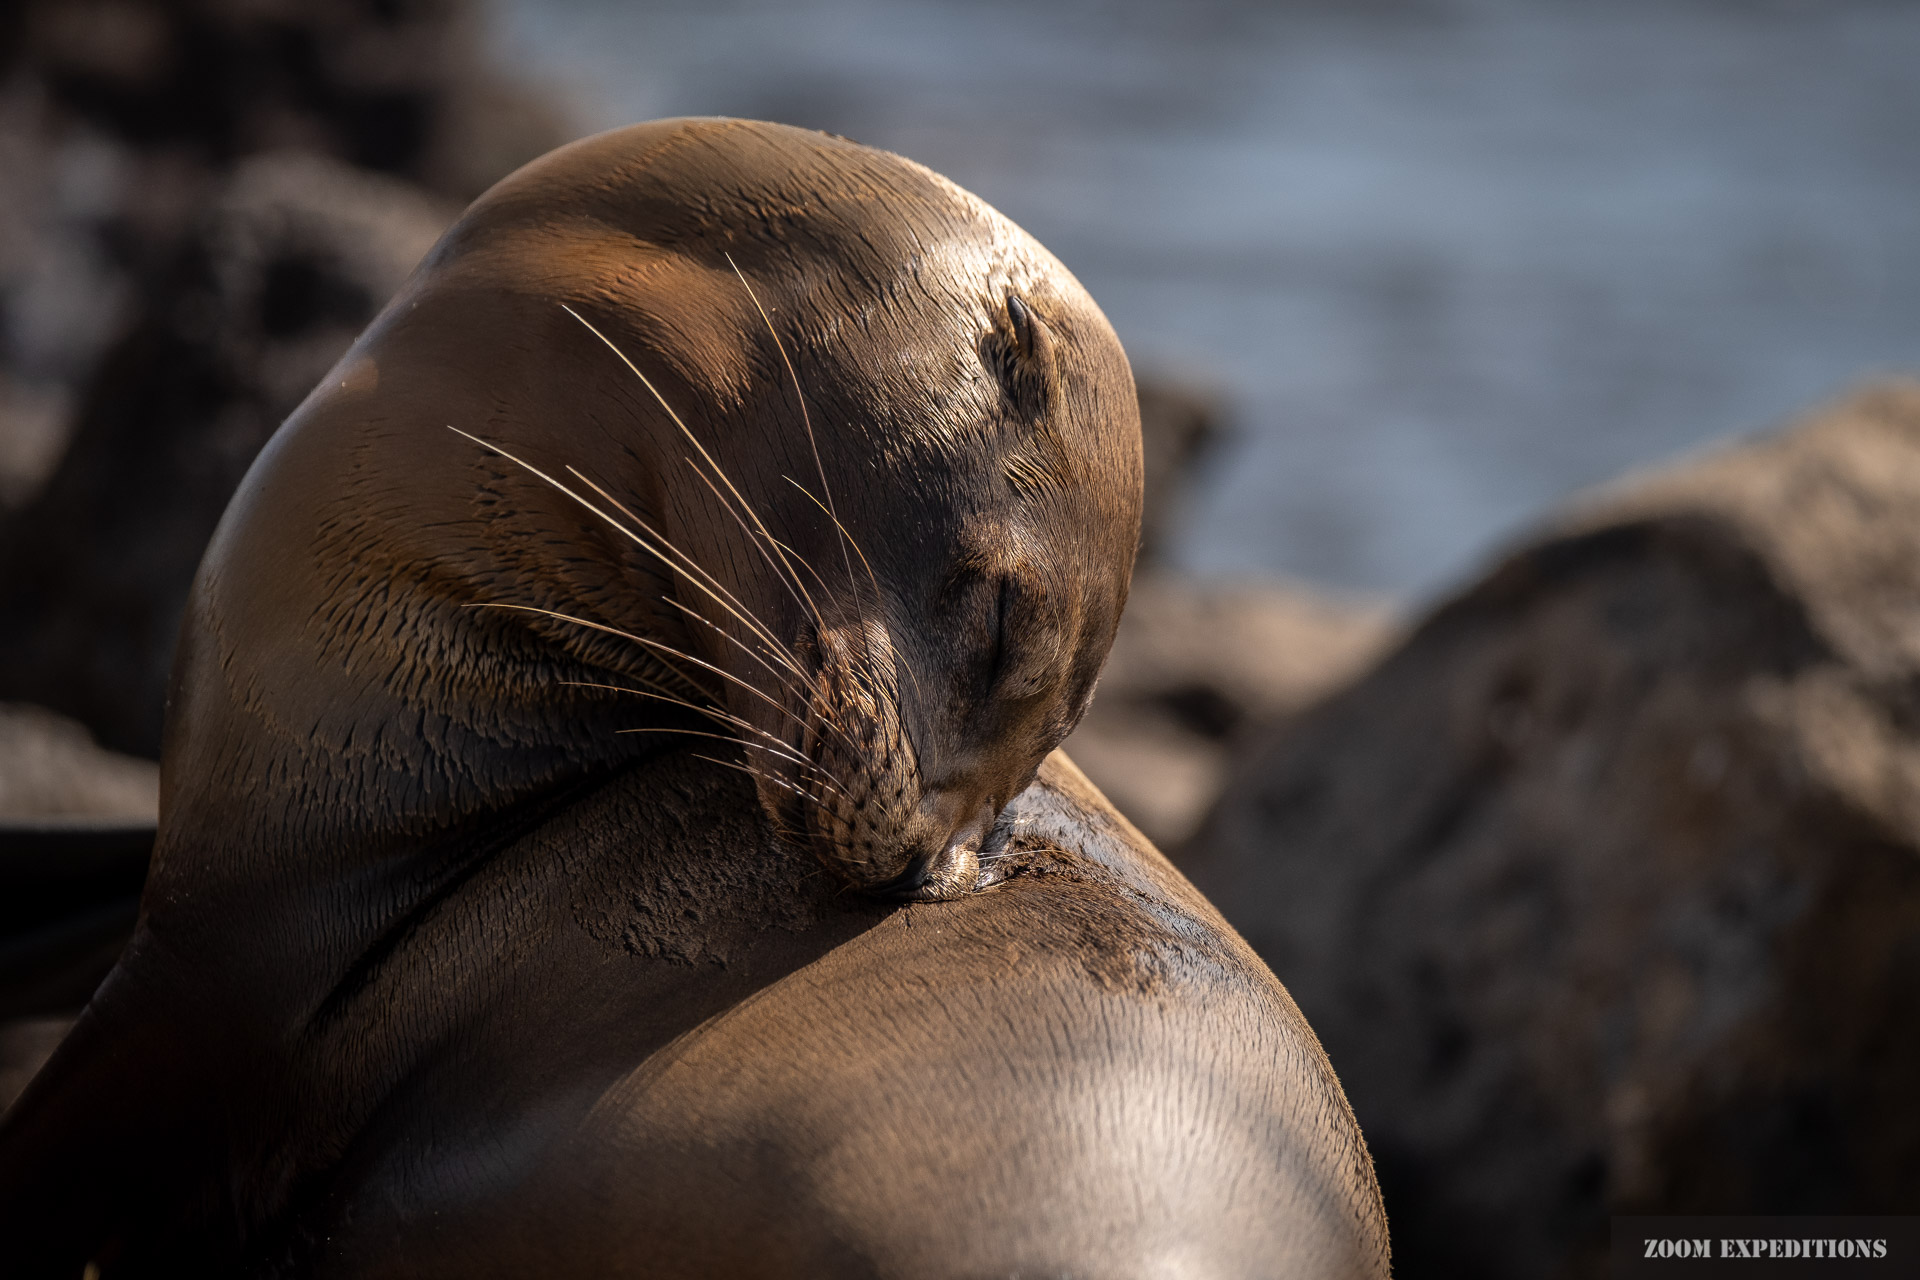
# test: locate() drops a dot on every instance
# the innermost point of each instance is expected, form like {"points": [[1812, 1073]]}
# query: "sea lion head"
{"points": [[901, 457], [761, 434]]}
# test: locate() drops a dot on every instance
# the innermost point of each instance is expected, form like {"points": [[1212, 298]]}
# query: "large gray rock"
{"points": [[1603, 890]]}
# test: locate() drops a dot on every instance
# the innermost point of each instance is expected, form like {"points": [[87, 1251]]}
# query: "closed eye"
{"points": [[1000, 652]]}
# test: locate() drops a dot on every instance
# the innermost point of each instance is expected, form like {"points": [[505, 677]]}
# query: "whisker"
{"points": [[810, 686], [529, 467], [844, 533], [718, 470], [641, 640], [804, 564], [806, 420], [755, 773], [826, 488], [781, 746], [645, 642], [744, 614], [828, 506], [868, 564], [780, 652], [809, 682], [742, 645], [911, 674], [721, 737], [561, 488], [713, 713], [783, 572]]}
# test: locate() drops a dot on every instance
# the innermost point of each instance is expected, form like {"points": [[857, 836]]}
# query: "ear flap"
{"points": [[1021, 356], [1027, 330]]}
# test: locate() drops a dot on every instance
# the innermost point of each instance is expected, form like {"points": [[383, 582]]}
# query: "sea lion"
{"points": [[451, 956], [694, 414]]}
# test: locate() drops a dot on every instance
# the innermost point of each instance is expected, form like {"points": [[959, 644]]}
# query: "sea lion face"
{"points": [[945, 557], [969, 591]]}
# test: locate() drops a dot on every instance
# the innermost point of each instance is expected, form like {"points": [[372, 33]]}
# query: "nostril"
{"points": [[916, 873], [910, 882]]}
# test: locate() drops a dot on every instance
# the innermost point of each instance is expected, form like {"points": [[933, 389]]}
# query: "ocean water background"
{"points": [[1445, 261]]}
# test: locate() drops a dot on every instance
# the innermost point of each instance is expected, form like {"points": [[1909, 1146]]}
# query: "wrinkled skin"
{"points": [[442, 969]]}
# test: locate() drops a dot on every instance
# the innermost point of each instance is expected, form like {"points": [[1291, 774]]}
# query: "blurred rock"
{"points": [[62, 294], [205, 202], [1603, 890], [291, 259], [400, 87], [1194, 668], [52, 773], [121, 120], [50, 768], [1196, 664], [25, 1044], [1180, 424]]}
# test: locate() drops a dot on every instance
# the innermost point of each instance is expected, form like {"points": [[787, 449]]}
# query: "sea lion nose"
{"points": [[948, 869], [938, 877]]}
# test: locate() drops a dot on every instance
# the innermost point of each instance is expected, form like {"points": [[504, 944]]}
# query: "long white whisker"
{"points": [[744, 614], [846, 536], [628, 533], [780, 745], [806, 419], [778, 651], [811, 687], [712, 713], [775, 559], [756, 773], [654, 645], [758, 655], [718, 470], [854, 543], [645, 643], [849, 538], [721, 737], [734, 640]]}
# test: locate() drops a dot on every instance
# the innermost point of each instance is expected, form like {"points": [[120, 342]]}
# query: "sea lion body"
{"points": [[455, 959], [1081, 1071]]}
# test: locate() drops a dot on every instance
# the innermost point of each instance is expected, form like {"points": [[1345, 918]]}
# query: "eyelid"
{"points": [[1003, 605]]}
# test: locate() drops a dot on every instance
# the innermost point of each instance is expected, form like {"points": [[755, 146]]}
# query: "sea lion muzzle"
{"points": [[945, 869]]}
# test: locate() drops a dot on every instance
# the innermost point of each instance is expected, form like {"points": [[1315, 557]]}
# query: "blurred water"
{"points": [[1447, 260]]}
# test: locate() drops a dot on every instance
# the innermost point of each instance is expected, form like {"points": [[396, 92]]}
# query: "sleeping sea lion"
{"points": [[454, 959]]}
